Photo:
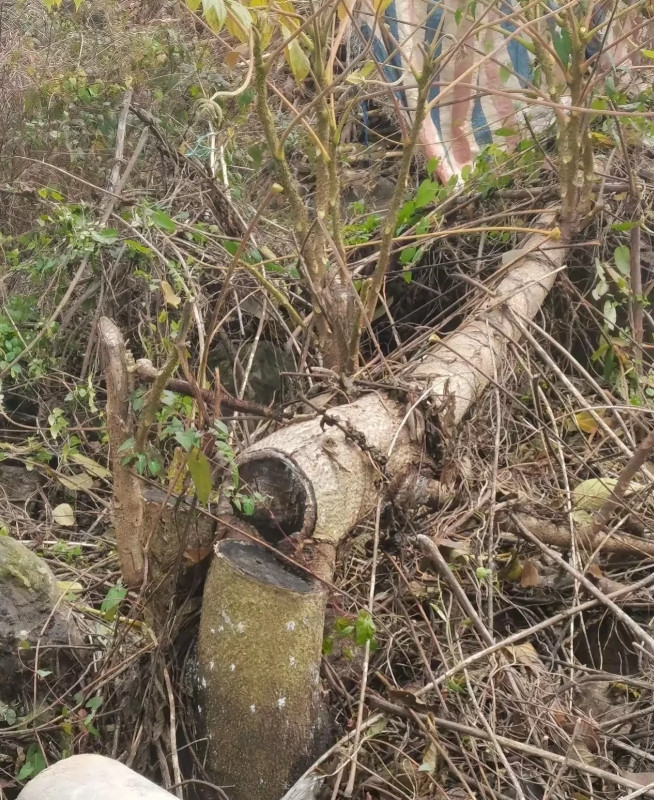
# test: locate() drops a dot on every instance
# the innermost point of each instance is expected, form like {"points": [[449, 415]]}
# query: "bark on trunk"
{"points": [[260, 647], [128, 505]]}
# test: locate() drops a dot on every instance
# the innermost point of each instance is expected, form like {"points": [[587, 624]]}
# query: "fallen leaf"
{"points": [[77, 483], [193, 555], [524, 654], [530, 576], [595, 571], [63, 514], [70, 587], [591, 495], [92, 466], [170, 297], [586, 421]]}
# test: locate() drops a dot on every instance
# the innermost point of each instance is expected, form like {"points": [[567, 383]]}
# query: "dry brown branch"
{"points": [[636, 629], [128, 503], [643, 452], [145, 371], [556, 535]]}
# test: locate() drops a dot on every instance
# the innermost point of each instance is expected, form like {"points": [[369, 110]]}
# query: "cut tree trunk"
{"points": [[321, 477], [260, 652]]}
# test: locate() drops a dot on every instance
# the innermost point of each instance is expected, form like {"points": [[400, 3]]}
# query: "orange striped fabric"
{"points": [[484, 65]]}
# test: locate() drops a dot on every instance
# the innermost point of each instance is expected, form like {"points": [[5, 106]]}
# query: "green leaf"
{"points": [[432, 164], [364, 628], [215, 13], [187, 439], [163, 221], [243, 19], [107, 236], [94, 703], [623, 226], [426, 193], [408, 255], [137, 247], [34, 762], [297, 59], [622, 257], [563, 45], [248, 506], [648, 53], [92, 466], [76, 483], [112, 601], [200, 469], [610, 313], [194, 4], [505, 132]]}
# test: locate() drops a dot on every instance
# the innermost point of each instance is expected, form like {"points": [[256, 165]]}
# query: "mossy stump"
{"points": [[259, 656]]}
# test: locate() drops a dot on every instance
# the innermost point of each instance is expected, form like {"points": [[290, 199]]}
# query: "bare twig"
{"points": [[625, 618]]}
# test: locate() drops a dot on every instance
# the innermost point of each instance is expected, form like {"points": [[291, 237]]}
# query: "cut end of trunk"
{"points": [[262, 565], [289, 507]]}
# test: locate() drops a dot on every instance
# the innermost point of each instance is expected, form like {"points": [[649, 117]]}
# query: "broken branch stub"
{"points": [[260, 647], [128, 503]]}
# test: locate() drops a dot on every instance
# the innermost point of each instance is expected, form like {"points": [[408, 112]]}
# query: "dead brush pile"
{"points": [[496, 643]]}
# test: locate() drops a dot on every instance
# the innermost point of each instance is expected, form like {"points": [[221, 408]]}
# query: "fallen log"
{"points": [[324, 475]]}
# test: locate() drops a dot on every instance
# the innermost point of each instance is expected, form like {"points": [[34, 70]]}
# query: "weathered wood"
{"points": [[128, 504]]}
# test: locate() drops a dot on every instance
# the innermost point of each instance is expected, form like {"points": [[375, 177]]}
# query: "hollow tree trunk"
{"points": [[321, 477], [335, 473]]}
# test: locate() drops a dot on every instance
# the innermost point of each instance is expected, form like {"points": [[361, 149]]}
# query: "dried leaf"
{"points": [[177, 471], [231, 58], [63, 514], [70, 587], [193, 555], [92, 466], [170, 297], [524, 654], [591, 495], [429, 758], [530, 576], [586, 421], [76, 483]]}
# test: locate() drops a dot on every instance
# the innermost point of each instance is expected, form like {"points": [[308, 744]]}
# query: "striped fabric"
{"points": [[481, 61]]}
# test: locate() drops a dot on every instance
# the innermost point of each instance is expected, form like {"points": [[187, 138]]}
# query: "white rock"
{"points": [[91, 777]]}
